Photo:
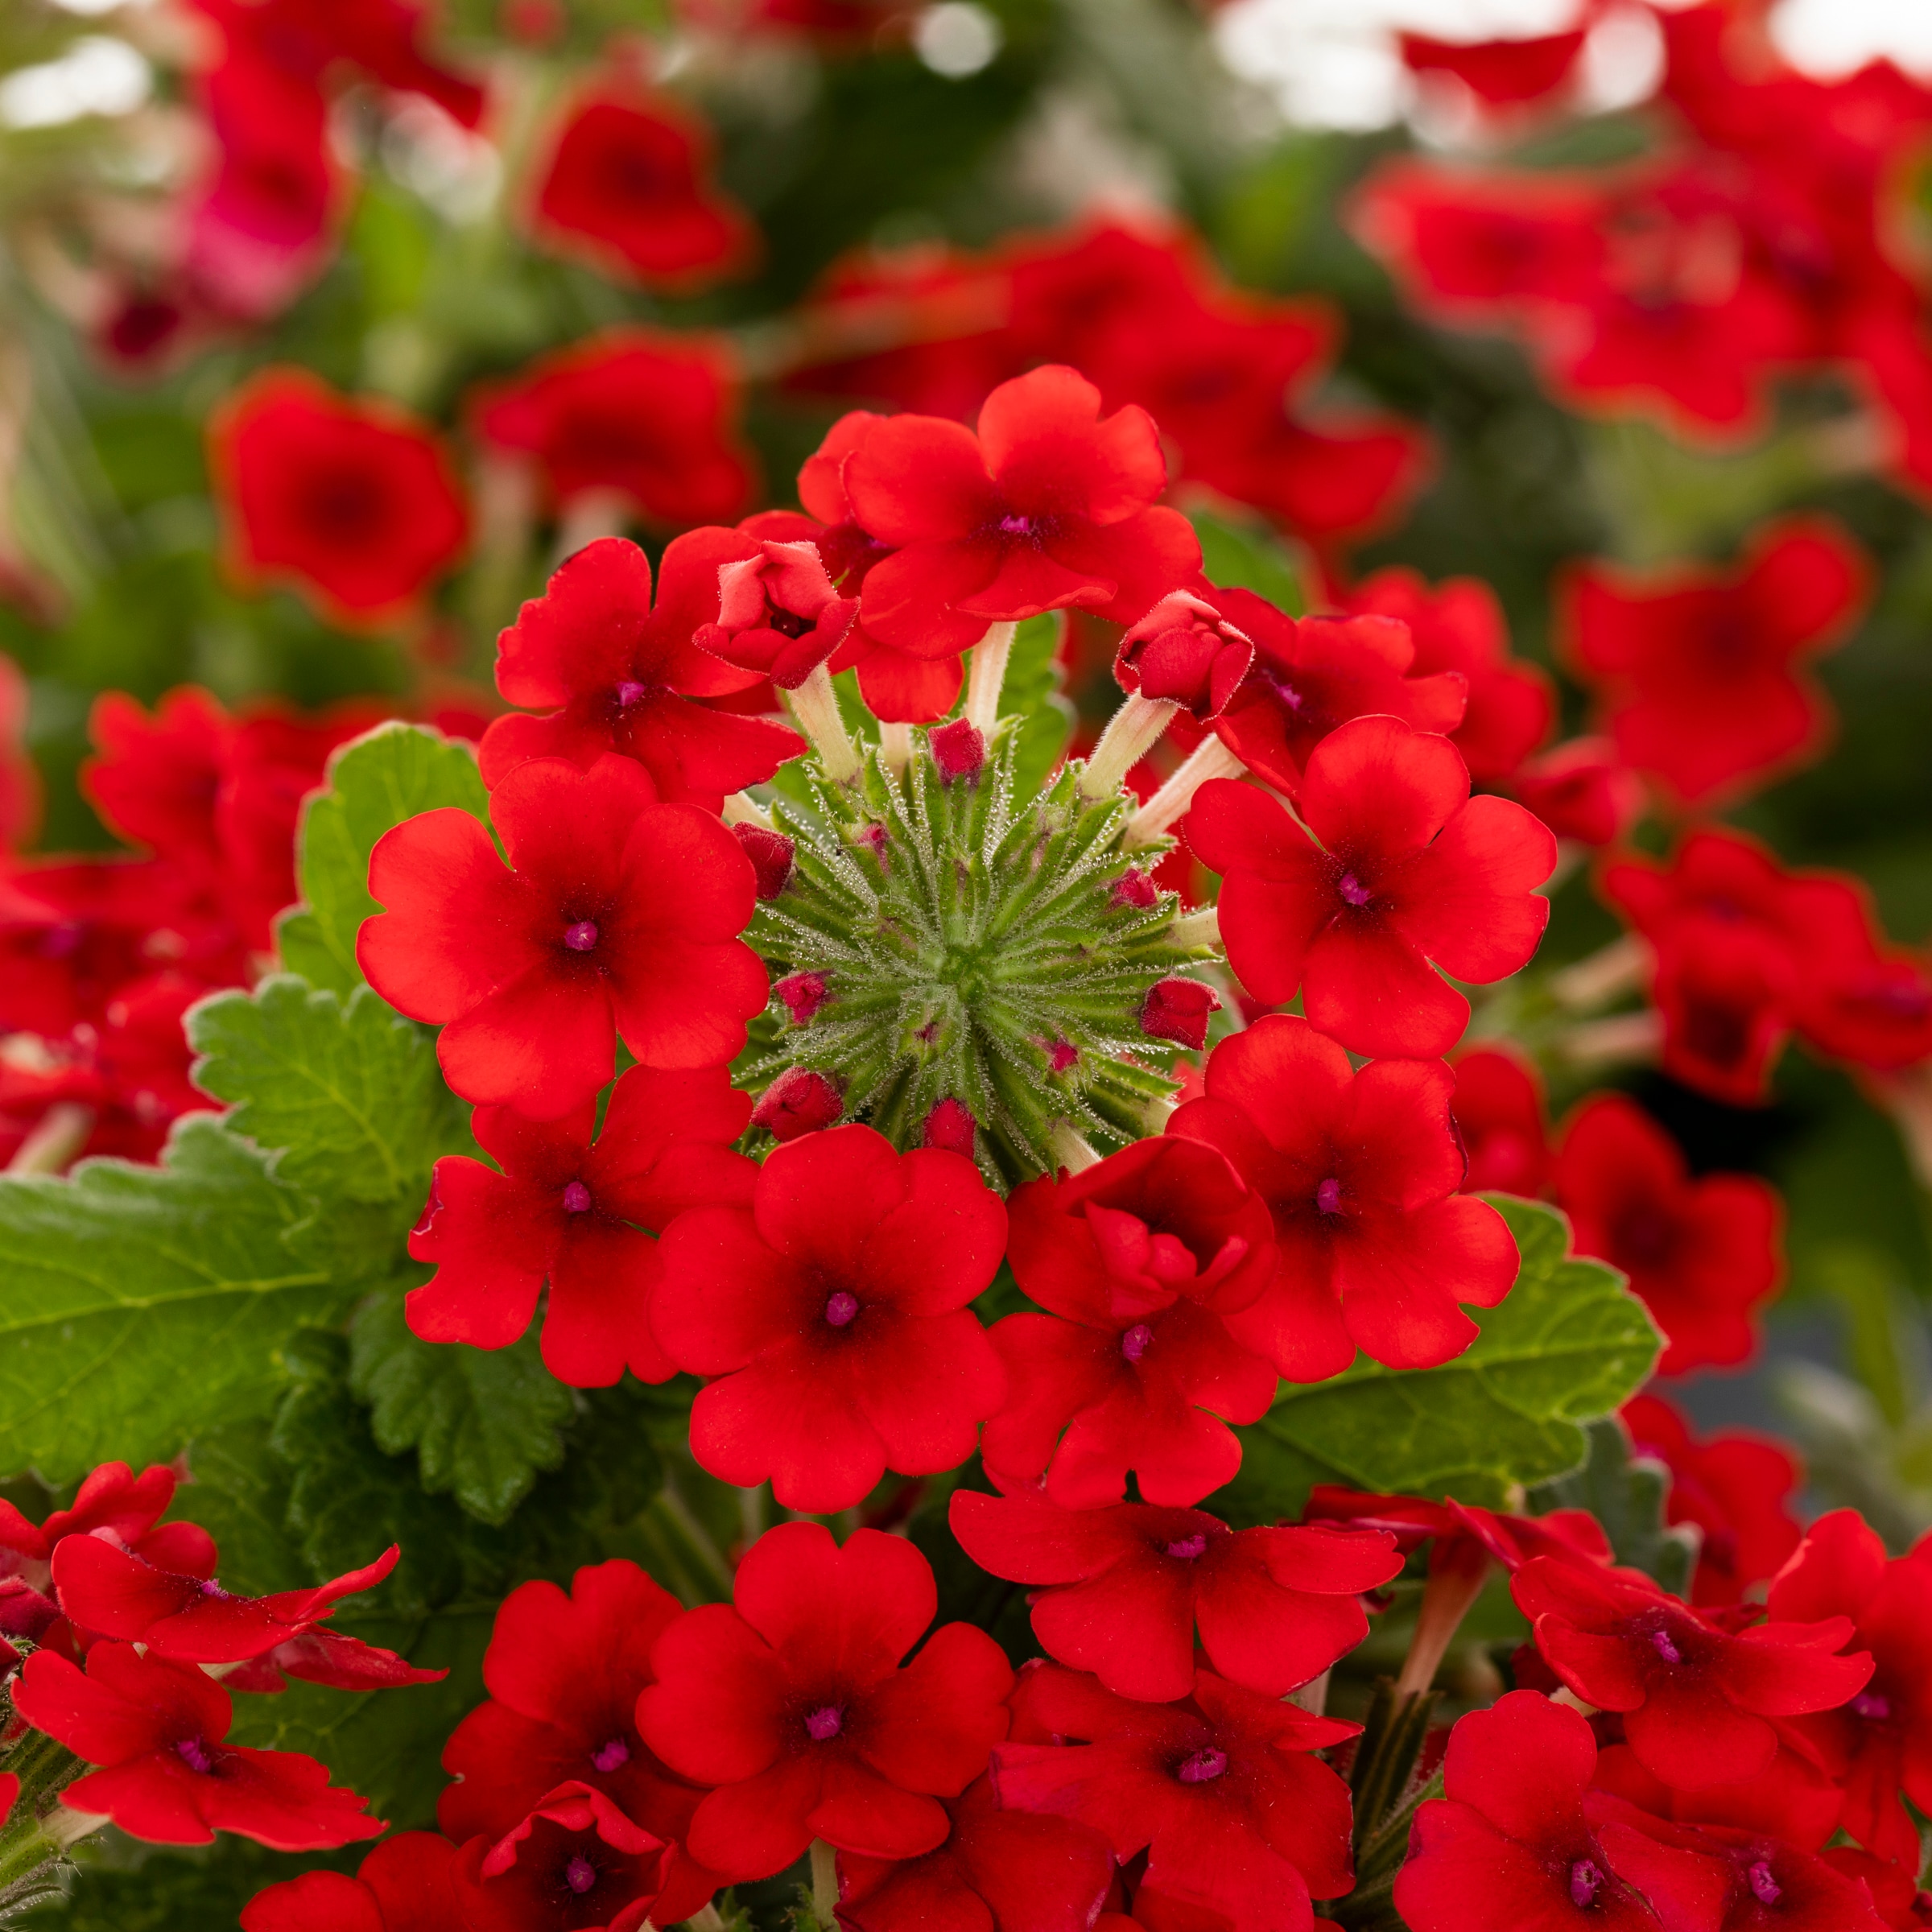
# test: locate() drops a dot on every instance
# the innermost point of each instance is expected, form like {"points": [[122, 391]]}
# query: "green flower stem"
{"points": [[814, 705], [1131, 733], [824, 1882], [741, 808], [987, 675], [1209, 759]]}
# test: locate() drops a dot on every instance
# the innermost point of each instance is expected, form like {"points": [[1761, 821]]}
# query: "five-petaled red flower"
{"points": [[574, 1863], [1498, 1110], [403, 1885]]}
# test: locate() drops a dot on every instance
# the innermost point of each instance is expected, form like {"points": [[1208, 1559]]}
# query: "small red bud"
{"points": [[803, 993], [797, 1102], [1134, 888], [873, 838], [1178, 1010], [959, 749], [1060, 1056], [772, 855], [950, 1126]]}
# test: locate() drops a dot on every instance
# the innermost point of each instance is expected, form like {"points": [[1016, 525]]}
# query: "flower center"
{"points": [[582, 936], [1586, 1881], [842, 1308], [1206, 1764], [576, 1199], [631, 693], [1353, 891], [195, 1754], [826, 1722], [1133, 1344], [1014, 525], [1872, 1704], [1764, 1888], [1329, 1198], [580, 1875], [213, 1592], [786, 623], [1189, 1547], [608, 1756], [1661, 1642]]}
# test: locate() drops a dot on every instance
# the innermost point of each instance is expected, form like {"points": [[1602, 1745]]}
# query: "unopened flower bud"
{"points": [[778, 614], [1178, 1010], [959, 749], [797, 1102], [1134, 888], [1185, 651], [950, 1126], [772, 857], [803, 994]]}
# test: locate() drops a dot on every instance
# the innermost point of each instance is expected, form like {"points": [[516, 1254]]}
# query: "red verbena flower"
{"points": [[1238, 1818], [616, 914], [793, 1704], [581, 1214], [403, 1885], [1047, 506], [1410, 870], [628, 184], [1696, 668], [1582, 791], [155, 1730], [349, 498], [575, 1862], [564, 1674], [1695, 1699], [646, 416], [1760, 1884], [778, 614], [1121, 1590], [1702, 1254], [1497, 1108], [832, 1312], [801, 1100], [1137, 1260], [1359, 1170], [1736, 1490], [613, 674]]}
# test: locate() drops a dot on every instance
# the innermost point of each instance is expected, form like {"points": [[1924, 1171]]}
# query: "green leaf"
{"points": [[382, 778], [1247, 557], [140, 1305], [345, 1097], [482, 1422], [1032, 691], [1568, 1343]]}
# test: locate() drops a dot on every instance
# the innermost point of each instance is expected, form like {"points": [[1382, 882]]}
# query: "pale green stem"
{"points": [[824, 1882], [895, 746], [741, 808], [814, 705], [1132, 732], [1623, 1036], [1607, 973], [1193, 929], [61, 1134], [1209, 759], [1070, 1148], [707, 1918], [985, 675], [589, 514]]}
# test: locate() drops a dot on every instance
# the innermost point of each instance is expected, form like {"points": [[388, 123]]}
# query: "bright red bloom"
{"points": [[1880, 1743], [1735, 1488], [110, 1591], [1497, 1108], [650, 416], [1137, 1258], [1762, 1885], [1238, 1817], [1410, 871], [1500, 73], [794, 1704], [613, 674], [1793, 1797], [1695, 1699], [1696, 668], [582, 1214], [1123, 1588], [318, 1655], [155, 1730], [564, 1674], [799, 1101], [832, 1311], [772, 857], [1458, 626], [1178, 1010], [616, 914], [1894, 1888], [998, 1871], [575, 1863], [778, 614], [1311, 675], [1186, 652], [1048, 506], [349, 498], [628, 184], [403, 1885], [1581, 790], [1359, 1172], [1520, 1839], [1702, 1254]]}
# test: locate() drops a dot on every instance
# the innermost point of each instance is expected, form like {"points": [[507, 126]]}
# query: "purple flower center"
{"points": [[828, 1721], [1207, 1762], [1764, 1888], [1189, 1547], [195, 1754], [1353, 891], [1329, 1198], [213, 1592], [1013, 525], [1873, 1704], [580, 1875], [1133, 1344], [842, 1308], [607, 1757], [630, 693], [576, 1199], [1660, 1643], [1586, 1881], [582, 936]]}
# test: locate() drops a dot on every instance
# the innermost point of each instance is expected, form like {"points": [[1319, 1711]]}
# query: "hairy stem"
{"points": [[987, 675], [1131, 733], [1209, 759]]}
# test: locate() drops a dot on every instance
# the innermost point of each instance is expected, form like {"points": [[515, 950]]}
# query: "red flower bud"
{"points": [[959, 749], [1183, 650], [1178, 1010], [772, 857], [778, 614], [797, 1102], [1134, 888], [950, 1126], [803, 994]]}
